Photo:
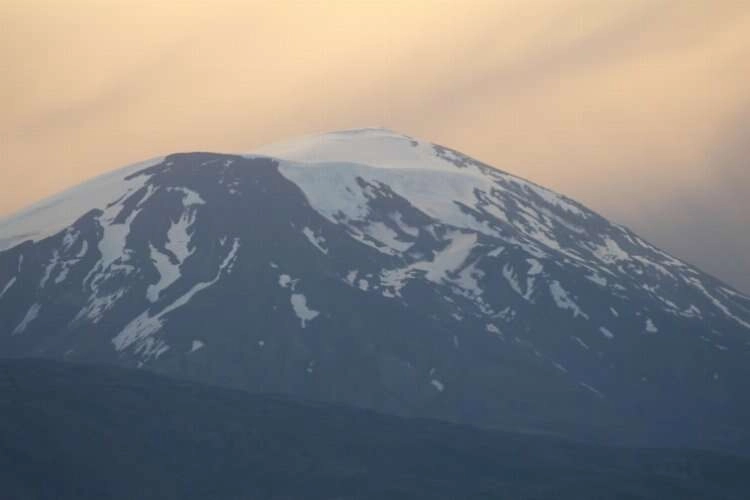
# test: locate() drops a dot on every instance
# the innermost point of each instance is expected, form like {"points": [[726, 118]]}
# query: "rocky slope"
{"points": [[372, 268]]}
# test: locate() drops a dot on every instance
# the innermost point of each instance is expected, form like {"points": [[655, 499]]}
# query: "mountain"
{"points": [[80, 432], [375, 269]]}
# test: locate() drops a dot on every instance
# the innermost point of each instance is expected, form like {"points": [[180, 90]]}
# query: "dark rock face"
{"points": [[455, 291]]}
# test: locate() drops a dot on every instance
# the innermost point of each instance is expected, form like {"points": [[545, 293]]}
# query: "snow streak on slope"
{"points": [[7, 286], [436, 270], [51, 215], [344, 173], [31, 315], [178, 244], [346, 176], [140, 330]]}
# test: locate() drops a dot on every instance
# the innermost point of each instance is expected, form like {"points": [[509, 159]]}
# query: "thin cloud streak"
{"points": [[634, 107]]}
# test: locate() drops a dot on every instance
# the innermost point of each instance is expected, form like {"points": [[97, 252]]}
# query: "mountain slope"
{"points": [[375, 269], [94, 432]]}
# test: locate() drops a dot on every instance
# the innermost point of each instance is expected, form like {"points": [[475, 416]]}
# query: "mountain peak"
{"points": [[373, 146]]}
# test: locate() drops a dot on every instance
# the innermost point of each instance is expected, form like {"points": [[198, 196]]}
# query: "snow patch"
{"points": [[451, 257], [468, 280], [303, 312], [335, 191], [113, 257], [189, 197], [84, 250], [178, 243], [610, 252], [691, 312], [69, 239], [7, 286], [52, 215], [315, 240], [437, 270], [512, 278], [549, 197], [351, 276], [98, 305], [31, 315], [535, 267], [178, 237], [168, 273], [564, 301], [286, 281], [580, 342], [493, 329], [403, 226], [496, 252], [140, 329], [592, 389], [559, 367], [716, 302], [649, 263], [387, 237], [62, 276], [597, 279], [49, 268]]}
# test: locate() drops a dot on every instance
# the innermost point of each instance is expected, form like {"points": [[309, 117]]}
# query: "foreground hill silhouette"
{"points": [[90, 432]]}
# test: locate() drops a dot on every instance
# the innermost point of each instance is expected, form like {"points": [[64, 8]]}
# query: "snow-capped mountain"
{"points": [[372, 268]]}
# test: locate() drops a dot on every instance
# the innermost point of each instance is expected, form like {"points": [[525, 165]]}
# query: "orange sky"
{"points": [[634, 107]]}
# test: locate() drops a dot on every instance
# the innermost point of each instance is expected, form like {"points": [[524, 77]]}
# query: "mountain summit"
{"points": [[372, 268]]}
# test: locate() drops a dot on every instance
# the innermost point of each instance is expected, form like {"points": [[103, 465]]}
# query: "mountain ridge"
{"points": [[428, 284]]}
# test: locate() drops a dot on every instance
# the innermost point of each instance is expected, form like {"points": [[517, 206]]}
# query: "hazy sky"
{"points": [[638, 108]]}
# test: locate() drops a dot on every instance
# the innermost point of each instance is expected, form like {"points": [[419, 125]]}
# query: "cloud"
{"points": [[630, 106], [708, 224], [114, 97]]}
